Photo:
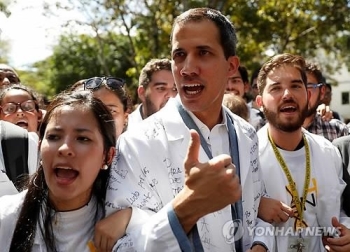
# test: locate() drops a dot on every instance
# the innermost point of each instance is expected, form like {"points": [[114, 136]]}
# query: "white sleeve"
{"points": [[343, 218], [6, 185], [33, 152], [148, 232], [329, 197], [268, 240], [132, 184]]}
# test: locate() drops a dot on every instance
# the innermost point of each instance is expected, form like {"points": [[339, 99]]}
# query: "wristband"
{"points": [[259, 243]]}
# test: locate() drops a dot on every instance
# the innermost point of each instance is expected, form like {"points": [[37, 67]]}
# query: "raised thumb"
{"points": [[335, 222], [192, 151], [340, 227]]}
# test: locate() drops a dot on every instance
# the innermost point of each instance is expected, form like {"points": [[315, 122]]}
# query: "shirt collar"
{"points": [[201, 125]]}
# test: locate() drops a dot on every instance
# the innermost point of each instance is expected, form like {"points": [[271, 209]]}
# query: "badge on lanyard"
{"points": [[298, 244]]}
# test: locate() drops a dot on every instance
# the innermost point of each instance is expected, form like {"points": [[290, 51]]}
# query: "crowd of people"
{"points": [[207, 161]]}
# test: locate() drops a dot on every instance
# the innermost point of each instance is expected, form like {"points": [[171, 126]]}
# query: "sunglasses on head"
{"points": [[111, 82]]}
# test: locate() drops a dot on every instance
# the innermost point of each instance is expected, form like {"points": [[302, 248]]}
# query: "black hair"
{"points": [[254, 76], [152, 66], [329, 86], [34, 95], [227, 33], [313, 68], [36, 208], [244, 74], [121, 92]]}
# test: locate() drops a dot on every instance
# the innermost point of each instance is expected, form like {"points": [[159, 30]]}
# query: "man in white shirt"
{"points": [[156, 86], [300, 169], [203, 197]]}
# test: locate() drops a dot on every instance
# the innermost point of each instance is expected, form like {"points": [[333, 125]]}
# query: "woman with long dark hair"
{"points": [[65, 197]]}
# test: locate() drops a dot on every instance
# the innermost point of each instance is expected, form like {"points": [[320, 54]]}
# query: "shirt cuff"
{"points": [[178, 231], [259, 243]]}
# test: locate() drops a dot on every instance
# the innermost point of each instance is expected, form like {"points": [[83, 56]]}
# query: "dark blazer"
{"points": [[343, 144]]}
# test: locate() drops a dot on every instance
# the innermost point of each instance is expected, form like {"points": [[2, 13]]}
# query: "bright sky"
{"points": [[31, 34]]}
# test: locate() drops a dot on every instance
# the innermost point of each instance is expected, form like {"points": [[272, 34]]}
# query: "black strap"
{"points": [[14, 143], [346, 192]]}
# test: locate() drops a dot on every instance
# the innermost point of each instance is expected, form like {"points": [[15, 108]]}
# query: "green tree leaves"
{"points": [[121, 36]]}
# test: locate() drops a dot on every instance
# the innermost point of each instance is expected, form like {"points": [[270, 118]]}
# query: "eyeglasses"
{"points": [[314, 85], [11, 107], [111, 82]]}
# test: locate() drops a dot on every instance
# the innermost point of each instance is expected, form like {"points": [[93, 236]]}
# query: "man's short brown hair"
{"points": [[152, 66], [277, 61]]}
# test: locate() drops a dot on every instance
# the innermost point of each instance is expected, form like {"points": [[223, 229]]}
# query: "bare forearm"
{"points": [[187, 213]]}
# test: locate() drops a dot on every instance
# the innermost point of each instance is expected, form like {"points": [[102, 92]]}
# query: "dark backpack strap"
{"points": [[14, 143], [346, 192]]}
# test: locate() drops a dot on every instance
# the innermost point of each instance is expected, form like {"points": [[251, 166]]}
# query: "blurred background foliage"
{"points": [[121, 36]]}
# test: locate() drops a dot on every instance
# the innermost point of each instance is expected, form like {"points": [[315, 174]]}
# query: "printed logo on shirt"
{"points": [[310, 202]]}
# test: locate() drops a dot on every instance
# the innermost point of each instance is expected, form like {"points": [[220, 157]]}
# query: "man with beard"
{"points": [[156, 86], [313, 122], [300, 169]]}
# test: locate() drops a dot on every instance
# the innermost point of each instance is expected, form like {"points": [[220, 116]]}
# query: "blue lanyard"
{"points": [[192, 125], [187, 119], [237, 209]]}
